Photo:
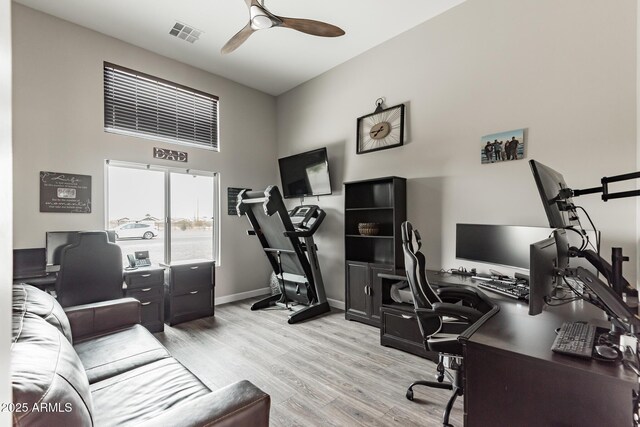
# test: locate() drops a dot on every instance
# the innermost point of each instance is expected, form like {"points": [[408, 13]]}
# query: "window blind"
{"points": [[142, 105]]}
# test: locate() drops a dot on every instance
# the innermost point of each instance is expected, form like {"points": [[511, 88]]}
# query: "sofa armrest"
{"points": [[241, 404], [89, 320]]}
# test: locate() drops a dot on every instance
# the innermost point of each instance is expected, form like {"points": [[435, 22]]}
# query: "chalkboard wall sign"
{"points": [[65, 192], [232, 199]]}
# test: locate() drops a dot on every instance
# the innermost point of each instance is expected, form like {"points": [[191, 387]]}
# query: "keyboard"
{"points": [[517, 290], [575, 339]]}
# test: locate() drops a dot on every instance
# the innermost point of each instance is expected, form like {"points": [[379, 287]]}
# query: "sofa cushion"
{"points": [[49, 382], [143, 393], [109, 355], [33, 300]]}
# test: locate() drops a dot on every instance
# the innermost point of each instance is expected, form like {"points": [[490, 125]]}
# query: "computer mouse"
{"points": [[606, 352]]}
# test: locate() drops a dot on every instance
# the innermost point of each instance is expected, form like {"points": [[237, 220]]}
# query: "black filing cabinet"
{"points": [[189, 290], [146, 285]]}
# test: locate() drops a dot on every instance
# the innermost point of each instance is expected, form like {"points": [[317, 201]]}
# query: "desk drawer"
{"points": [[145, 294], [186, 278], [152, 314], [399, 329], [144, 279], [193, 305]]}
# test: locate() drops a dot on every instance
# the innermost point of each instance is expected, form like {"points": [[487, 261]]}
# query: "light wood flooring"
{"points": [[327, 371]]}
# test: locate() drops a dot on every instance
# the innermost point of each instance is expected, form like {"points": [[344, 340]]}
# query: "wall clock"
{"points": [[382, 129]]}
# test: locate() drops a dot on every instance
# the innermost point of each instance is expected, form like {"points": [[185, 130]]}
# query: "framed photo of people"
{"points": [[502, 146]]}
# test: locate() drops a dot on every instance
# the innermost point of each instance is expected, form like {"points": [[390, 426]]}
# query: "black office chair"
{"points": [[442, 316], [90, 270]]}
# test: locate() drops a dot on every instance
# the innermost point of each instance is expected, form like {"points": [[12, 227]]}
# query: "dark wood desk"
{"points": [[513, 378], [146, 284], [40, 282]]}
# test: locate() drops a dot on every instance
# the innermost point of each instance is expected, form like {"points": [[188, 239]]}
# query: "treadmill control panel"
{"points": [[303, 216]]}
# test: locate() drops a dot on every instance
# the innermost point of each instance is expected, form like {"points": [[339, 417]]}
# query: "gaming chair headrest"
{"points": [[409, 235]]}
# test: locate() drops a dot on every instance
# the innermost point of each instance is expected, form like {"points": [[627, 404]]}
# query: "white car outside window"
{"points": [[136, 230]]}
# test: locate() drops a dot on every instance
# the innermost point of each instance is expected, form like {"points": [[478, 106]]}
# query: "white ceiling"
{"points": [[273, 60]]}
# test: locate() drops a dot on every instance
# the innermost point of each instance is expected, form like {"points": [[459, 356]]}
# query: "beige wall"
{"points": [[565, 71], [58, 126], [6, 191]]}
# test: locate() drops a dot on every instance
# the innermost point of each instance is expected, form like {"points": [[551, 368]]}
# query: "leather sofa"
{"points": [[94, 364]]}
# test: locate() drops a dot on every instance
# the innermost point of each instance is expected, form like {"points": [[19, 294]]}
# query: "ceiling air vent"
{"points": [[185, 32]]}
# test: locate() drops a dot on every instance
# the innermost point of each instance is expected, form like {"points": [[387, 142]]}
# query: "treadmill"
{"points": [[287, 241]]}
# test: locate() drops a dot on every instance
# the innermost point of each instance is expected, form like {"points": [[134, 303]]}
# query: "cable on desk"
{"points": [[551, 302], [455, 270]]}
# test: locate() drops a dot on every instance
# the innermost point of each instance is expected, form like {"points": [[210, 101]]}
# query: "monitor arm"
{"points": [[613, 273], [566, 193], [603, 297]]}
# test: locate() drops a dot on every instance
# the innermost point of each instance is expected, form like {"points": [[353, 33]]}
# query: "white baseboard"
{"points": [[242, 295], [336, 303], [266, 291]]}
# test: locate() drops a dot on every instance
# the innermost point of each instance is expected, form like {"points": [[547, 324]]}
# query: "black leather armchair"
{"points": [[90, 270], [442, 314]]}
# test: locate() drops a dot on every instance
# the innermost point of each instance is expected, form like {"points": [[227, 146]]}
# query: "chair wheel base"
{"points": [[410, 394]]}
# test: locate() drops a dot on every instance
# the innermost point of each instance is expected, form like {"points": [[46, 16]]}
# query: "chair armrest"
{"points": [[89, 320], [241, 404], [454, 310], [459, 294]]}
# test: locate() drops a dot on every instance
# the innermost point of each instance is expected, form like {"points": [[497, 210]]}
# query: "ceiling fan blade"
{"points": [[309, 26], [235, 41]]}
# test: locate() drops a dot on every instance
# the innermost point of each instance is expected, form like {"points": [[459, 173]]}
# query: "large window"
{"points": [[142, 105], [169, 212]]}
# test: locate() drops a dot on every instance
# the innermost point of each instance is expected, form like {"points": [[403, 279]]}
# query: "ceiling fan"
{"points": [[260, 19]]}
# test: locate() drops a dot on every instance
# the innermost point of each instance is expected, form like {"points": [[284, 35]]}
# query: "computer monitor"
{"points": [[559, 208], [505, 245], [562, 248], [29, 263], [542, 273], [508, 245], [56, 240]]}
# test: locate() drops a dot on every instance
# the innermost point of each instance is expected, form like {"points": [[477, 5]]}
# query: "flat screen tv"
{"points": [[305, 174]]}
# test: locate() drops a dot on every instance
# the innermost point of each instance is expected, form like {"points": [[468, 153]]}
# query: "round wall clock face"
{"points": [[381, 130]]}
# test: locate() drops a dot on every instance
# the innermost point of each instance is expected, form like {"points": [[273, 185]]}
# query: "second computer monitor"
{"points": [[562, 248], [506, 245], [543, 270], [56, 240]]}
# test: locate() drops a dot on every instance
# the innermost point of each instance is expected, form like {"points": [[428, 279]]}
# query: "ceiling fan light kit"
{"points": [[261, 19]]}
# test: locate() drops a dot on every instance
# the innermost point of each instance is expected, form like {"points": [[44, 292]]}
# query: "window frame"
{"points": [[216, 237], [161, 138]]}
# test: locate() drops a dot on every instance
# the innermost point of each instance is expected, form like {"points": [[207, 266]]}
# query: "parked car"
{"points": [[136, 230]]}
